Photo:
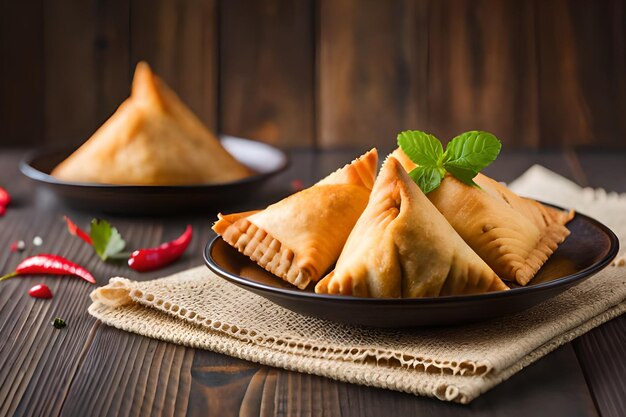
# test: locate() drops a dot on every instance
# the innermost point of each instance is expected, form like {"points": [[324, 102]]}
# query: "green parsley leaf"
{"points": [[421, 148], [470, 152], [106, 240], [428, 178]]}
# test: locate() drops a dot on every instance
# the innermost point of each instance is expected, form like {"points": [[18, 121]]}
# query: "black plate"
{"points": [[262, 158], [590, 247]]}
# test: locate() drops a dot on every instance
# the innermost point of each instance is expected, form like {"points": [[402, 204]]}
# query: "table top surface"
{"points": [[90, 369]]}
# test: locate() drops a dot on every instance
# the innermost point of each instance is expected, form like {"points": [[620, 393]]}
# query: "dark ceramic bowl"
{"points": [[590, 247], [263, 159]]}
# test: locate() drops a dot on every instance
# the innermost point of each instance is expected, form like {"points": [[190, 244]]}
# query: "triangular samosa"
{"points": [[152, 139], [401, 246], [301, 236], [514, 235]]}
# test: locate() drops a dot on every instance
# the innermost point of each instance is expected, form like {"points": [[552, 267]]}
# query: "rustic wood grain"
{"points": [[219, 384], [267, 70], [127, 375], [322, 72], [605, 96], [482, 70], [225, 386], [179, 40], [601, 351], [149, 377], [578, 40], [443, 67], [32, 350], [601, 355], [373, 71], [21, 72], [86, 67], [38, 363]]}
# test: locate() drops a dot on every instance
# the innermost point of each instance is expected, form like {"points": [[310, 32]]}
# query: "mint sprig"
{"points": [[465, 156]]}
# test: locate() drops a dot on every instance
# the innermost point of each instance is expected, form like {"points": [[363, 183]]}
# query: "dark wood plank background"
{"points": [[325, 73]]}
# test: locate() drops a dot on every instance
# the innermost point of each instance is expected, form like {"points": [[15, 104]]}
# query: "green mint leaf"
{"points": [[106, 240], [464, 175], [465, 156], [471, 151], [428, 178], [421, 148]]}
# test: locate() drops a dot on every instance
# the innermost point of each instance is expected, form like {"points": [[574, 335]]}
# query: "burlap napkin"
{"points": [[196, 308]]}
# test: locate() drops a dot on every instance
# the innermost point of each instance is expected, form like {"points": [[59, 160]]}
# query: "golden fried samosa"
{"points": [[401, 246], [152, 139], [301, 236], [514, 235]]}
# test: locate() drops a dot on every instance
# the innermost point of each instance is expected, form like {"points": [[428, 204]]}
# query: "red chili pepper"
{"points": [[50, 264], [77, 231], [154, 258], [40, 291], [5, 198]]}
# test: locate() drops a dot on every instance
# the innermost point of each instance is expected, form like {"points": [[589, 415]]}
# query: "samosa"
{"points": [[152, 139], [514, 235], [401, 246], [300, 237]]}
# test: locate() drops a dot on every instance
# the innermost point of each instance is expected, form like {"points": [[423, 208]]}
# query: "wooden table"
{"points": [[90, 369]]}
